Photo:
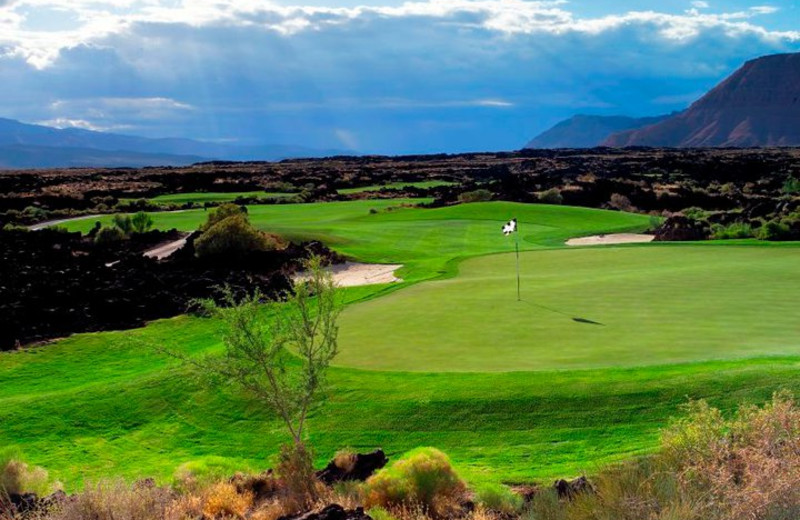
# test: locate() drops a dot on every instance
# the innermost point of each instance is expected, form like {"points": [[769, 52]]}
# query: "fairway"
{"points": [[586, 308], [512, 391]]}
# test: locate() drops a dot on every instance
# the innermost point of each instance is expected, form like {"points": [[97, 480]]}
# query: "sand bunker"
{"points": [[351, 274], [616, 238]]}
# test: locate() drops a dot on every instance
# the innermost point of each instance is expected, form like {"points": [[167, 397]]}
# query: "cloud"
{"points": [[417, 76], [699, 4]]}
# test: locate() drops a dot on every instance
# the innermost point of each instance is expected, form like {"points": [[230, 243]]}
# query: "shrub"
{"points": [[194, 475], [791, 186], [233, 235], [423, 477], [17, 477], [480, 195], [141, 222], [222, 501], [296, 469], [620, 202], [499, 498], [731, 231], [123, 223], [774, 230], [116, 500], [109, 235], [222, 212], [551, 196]]}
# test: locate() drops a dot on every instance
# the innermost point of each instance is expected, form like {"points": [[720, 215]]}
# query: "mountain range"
{"points": [[758, 105], [36, 146]]}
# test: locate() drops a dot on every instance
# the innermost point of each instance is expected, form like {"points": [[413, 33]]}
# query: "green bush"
{"points": [[141, 222], [423, 477], [109, 235], [791, 186], [124, 223], [480, 195], [233, 235], [774, 230], [499, 498], [731, 231], [551, 196], [222, 212]]}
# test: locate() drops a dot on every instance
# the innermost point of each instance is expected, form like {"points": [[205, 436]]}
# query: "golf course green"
{"points": [[605, 346]]}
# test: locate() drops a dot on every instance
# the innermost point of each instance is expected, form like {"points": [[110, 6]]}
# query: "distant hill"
{"points": [[25, 145], [584, 131], [23, 156], [759, 105]]}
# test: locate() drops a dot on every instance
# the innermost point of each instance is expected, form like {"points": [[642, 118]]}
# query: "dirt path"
{"points": [[164, 250], [351, 274], [616, 238]]}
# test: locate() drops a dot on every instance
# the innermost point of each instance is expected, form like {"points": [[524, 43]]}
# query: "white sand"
{"points": [[616, 238], [351, 274]]}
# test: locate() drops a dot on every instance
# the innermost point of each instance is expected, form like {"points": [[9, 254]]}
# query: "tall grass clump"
{"points": [[422, 478], [498, 498], [17, 477], [119, 500]]}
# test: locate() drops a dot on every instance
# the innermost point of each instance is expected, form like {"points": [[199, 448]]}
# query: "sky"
{"points": [[386, 76]]}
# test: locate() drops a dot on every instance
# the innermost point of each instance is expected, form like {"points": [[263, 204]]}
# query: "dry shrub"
{"points": [[709, 468], [271, 510], [222, 501], [749, 465], [117, 500], [296, 470], [423, 477], [17, 477], [345, 460]]}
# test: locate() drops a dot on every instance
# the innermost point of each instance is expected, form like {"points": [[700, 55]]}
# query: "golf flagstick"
{"points": [[508, 228], [516, 244]]}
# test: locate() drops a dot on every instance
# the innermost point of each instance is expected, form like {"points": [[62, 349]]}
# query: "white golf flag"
{"points": [[510, 227]]}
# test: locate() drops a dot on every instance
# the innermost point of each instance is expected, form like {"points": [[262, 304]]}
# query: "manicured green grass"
{"points": [[98, 404], [395, 186], [577, 394], [426, 241], [638, 306], [201, 197]]}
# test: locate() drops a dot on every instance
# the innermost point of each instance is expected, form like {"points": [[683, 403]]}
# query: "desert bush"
{"points": [[620, 202], [345, 459], [791, 186], [108, 235], [296, 470], [124, 223], [479, 195], [117, 500], [731, 231], [141, 222], [709, 467], [222, 212], [231, 236], [499, 498], [774, 230], [17, 477], [422, 477], [551, 196], [222, 500]]}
